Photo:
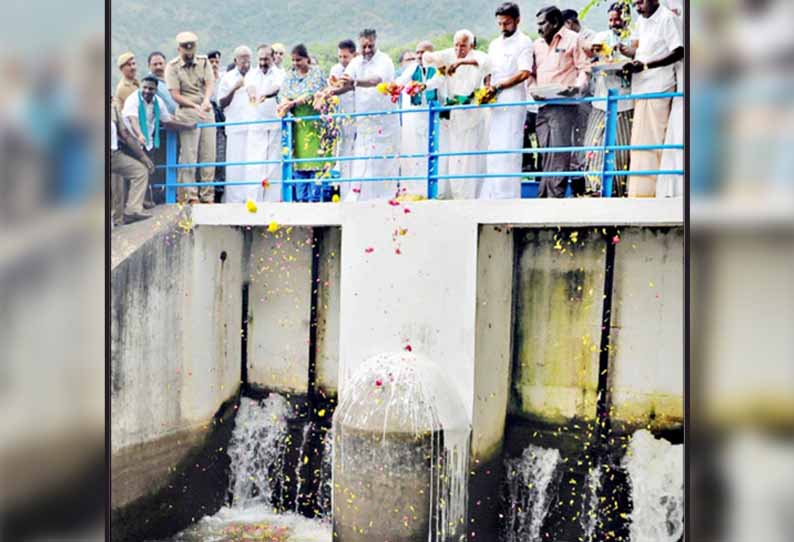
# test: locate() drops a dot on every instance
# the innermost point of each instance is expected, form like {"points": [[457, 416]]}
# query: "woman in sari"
{"points": [[311, 139]]}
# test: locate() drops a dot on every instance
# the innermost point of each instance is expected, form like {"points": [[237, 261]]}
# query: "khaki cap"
{"points": [[278, 47], [124, 58], [186, 39]]}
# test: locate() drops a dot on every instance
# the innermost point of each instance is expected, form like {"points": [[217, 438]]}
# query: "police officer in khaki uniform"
{"points": [[191, 82], [128, 83]]}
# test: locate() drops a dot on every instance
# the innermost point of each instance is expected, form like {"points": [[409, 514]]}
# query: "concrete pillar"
{"points": [[280, 308]]}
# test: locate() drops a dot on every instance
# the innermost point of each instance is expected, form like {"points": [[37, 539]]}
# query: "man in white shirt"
{"points": [[511, 61], [346, 51], [264, 140], [465, 70], [236, 101], [658, 45], [375, 135], [144, 112], [414, 130]]}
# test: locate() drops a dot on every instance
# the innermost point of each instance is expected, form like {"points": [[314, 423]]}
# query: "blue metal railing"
{"points": [[433, 110]]}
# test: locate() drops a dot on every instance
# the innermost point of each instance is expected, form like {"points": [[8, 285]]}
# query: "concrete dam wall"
{"points": [[541, 315]]}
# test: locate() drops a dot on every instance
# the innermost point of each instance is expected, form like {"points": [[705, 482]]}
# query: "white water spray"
{"points": [[531, 488], [301, 454], [257, 449], [404, 394], [656, 475], [588, 518], [322, 501]]}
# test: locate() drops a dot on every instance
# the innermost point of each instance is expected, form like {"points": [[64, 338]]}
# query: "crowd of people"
{"points": [[566, 60]]}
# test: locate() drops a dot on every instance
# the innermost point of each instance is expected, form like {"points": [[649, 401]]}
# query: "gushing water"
{"points": [[322, 501], [404, 398], [257, 449], [301, 454], [588, 518], [530, 486], [656, 475]]}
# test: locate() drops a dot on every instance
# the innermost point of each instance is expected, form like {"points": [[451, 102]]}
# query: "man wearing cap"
{"points": [[191, 82], [128, 83], [278, 54]]}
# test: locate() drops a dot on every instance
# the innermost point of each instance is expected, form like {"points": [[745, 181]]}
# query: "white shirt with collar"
{"points": [[509, 56], [658, 35], [347, 101], [368, 98], [130, 109], [265, 84], [241, 108]]}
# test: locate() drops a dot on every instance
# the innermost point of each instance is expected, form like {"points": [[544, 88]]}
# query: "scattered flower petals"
{"points": [[250, 205], [273, 227], [369, 250]]}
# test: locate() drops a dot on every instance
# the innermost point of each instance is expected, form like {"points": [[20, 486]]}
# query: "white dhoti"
{"points": [[506, 132], [374, 137], [265, 145], [414, 140], [237, 151], [465, 134], [672, 186]]}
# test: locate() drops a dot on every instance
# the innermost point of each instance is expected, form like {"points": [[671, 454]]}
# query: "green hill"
{"points": [[142, 26]]}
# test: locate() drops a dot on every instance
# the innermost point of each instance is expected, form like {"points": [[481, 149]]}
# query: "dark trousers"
{"points": [[154, 194], [578, 159], [220, 156], [555, 129], [310, 191], [529, 161]]}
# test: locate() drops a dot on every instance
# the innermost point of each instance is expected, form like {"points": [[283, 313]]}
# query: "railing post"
{"points": [[170, 162], [286, 156], [432, 148], [610, 139]]}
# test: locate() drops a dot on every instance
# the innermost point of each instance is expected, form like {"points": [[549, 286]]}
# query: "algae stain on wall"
{"points": [[646, 375], [560, 277]]}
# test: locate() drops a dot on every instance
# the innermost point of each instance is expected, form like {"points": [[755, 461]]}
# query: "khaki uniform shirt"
{"points": [[124, 89], [191, 81]]}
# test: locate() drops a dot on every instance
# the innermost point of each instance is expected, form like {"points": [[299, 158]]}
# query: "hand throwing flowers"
{"points": [[484, 95], [414, 88], [392, 89]]}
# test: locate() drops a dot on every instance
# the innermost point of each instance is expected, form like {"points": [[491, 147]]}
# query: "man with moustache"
{"points": [[345, 52], [235, 100], [375, 135], [511, 61], [191, 82], [264, 140]]}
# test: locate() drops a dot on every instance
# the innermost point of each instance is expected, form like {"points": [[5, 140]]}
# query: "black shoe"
{"points": [[136, 217], [149, 205]]}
